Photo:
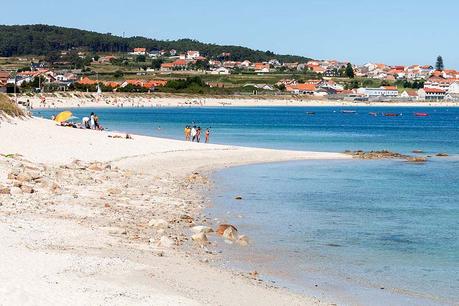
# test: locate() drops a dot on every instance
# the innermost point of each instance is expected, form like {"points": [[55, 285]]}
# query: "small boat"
{"points": [[348, 111], [373, 114], [392, 114], [310, 113], [421, 114]]}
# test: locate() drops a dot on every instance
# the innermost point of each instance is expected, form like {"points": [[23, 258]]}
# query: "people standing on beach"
{"points": [[96, 122], [193, 133], [207, 135], [92, 123], [85, 122], [187, 132], [198, 134]]}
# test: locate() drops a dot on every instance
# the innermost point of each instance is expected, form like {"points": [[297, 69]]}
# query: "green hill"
{"points": [[39, 39]]}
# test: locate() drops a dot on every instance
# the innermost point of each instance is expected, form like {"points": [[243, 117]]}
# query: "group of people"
{"points": [[193, 133], [91, 122]]}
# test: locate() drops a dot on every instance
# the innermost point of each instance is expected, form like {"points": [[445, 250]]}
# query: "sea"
{"points": [[355, 232]]}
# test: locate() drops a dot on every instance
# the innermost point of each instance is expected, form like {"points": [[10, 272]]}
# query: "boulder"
{"points": [[95, 167], [230, 233], [243, 240], [158, 223], [222, 227], [27, 189], [166, 242], [15, 190], [114, 191], [238, 198], [24, 177], [5, 190], [416, 159], [200, 238], [201, 229], [417, 151]]}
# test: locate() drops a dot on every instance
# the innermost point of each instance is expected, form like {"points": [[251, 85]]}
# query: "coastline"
{"points": [[74, 100], [101, 221]]}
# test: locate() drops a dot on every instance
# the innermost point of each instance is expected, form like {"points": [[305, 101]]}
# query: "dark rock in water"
{"points": [[442, 154], [238, 198], [417, 151], [383, 154], [416, 159], [333, 245]]}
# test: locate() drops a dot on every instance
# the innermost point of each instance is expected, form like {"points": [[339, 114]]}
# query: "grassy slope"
{"points": [[9, 108]]}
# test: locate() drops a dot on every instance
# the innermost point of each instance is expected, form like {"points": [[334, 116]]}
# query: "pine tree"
{"points": [[349, 71], [439, 65]]}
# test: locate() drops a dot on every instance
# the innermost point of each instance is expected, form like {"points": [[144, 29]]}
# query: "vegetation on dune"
{"points": [[9, 108], [44, 39]]}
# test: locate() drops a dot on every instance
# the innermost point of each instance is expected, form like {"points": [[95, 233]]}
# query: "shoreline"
{"points": [[133, 164], [90, 100]]}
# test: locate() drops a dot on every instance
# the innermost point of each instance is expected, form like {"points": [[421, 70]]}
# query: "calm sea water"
{"points": [[339, 229]]}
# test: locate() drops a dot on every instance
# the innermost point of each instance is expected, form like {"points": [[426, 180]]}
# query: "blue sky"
{"points": [[390, 31]]}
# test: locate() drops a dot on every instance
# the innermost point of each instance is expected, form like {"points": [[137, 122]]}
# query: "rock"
{"points": [[230, 233], [238, 198], [4, 190], [200, 238], [114, 191], [186, 218], [95, 167], [27, 189], [158, 223], [243, 240], [222, 227], [417, 151], [416, 159], [15, 190], [442, 155], [201, 229], [23, 177], [166, 242]]}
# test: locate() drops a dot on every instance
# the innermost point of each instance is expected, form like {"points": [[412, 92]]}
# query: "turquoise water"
{"points": [[339, 229]]}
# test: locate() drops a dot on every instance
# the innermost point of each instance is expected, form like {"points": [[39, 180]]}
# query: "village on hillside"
{"points": [[143, 70]]}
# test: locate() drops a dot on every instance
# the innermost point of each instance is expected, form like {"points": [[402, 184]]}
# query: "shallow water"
{"points": [[349, 227]]}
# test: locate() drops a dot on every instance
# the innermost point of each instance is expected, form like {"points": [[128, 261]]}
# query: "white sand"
{"points": [[66, 247], [165, 100]]}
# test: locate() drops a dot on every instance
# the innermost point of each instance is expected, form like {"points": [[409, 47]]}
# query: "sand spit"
{"points": [[92, 220]]}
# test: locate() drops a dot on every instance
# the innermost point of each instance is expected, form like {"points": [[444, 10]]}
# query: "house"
{"points": [[4, 76], [192, 55], [106, 59], [261, 67], [178, 64], [221, 70], [454, 88], [139, 51], [173, 52], [305, 89], [260, 86], [383, 91], [87, 81], [409, 94], [427, 93], [154, 53]]}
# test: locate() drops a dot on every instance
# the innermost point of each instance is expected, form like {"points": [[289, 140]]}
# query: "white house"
{"points": [[454, 88], [431, 94], [139, 51], [191, 55], [384, 91], [221, 70]]}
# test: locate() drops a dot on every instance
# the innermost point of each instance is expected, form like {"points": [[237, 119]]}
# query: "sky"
{"points": [[395, 32]]}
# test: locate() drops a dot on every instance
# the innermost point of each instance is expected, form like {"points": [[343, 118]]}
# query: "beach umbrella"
{"points": [[64, 116]]}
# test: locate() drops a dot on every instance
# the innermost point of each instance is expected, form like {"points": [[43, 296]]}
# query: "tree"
{"points": [[156, 63], [140, 59], [439, 65], [349, 71]]}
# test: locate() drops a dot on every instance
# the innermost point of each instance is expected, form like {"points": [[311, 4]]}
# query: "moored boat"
{"points": [[421, 114], [392, 114]]}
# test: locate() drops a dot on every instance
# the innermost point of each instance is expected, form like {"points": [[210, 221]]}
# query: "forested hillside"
{"points": [[43, 39]]}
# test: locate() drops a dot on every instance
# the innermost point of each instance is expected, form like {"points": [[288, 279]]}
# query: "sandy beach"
{"points": [[92, 219], [71, 100]]}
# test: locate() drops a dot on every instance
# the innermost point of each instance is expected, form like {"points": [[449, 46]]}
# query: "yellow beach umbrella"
{"points": [[64, 116]]}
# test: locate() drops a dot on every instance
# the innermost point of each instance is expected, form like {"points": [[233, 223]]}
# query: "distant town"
{"points": [[142, 70]]}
